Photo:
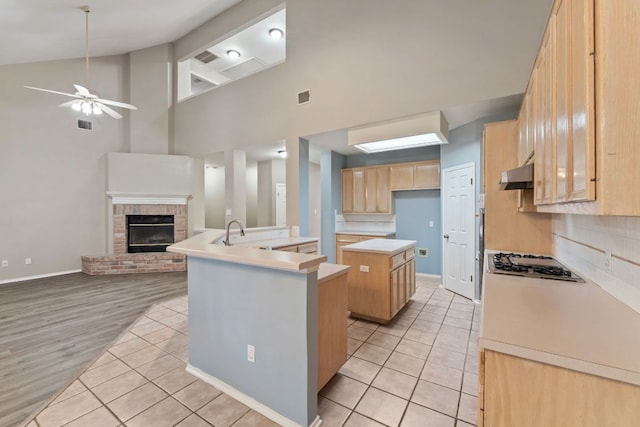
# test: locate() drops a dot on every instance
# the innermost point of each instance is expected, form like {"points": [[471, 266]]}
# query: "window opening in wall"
{"points": [[255, 49]]}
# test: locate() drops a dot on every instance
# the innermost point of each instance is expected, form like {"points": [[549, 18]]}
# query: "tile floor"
{"points": [[420, 370]]}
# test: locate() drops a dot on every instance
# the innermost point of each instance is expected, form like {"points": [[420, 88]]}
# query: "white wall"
{"points": [[265, 198], [150, 88], [252, 195], [150, 174], [214, 197], [52, 174], [583, 241]]}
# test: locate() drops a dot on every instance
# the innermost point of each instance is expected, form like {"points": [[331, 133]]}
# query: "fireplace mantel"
{"points": [[120, 198]]}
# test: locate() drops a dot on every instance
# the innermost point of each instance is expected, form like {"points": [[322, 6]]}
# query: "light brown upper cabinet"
{"points": [[580, 110], [416, 175], [368, 189]]}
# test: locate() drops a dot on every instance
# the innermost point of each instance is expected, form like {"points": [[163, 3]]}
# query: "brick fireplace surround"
{"points": [[121, 262]]}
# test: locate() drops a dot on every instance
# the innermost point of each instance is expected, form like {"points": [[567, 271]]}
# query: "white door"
{"points": [[458, 226], [281, 204]]}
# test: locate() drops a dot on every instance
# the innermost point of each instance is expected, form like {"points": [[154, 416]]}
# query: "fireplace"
{"points": [[149, 233]]}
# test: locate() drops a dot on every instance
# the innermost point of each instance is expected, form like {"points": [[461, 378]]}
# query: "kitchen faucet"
{"points": [[227, 242]]}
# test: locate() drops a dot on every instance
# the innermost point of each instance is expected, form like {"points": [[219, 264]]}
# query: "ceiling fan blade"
{"points": [[117, 104], [67, 104], [54, 91], [82, 90], [109, 111]]}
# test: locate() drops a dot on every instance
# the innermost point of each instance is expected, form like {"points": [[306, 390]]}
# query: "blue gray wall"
{"points": [[331, 165], [232, 305], [414, 209], [303, 179]]}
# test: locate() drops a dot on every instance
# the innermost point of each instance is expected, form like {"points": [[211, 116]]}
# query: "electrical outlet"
{"points": [[5, 263], [251, 353], [27, 261], [423, 252], [364, 268]]}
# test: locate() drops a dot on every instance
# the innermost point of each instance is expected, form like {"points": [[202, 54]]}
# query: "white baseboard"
{"points": [[247, 400], [39, 276], [429, 276]]}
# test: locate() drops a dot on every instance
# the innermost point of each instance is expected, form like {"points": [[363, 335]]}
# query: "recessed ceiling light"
{"points": [[400, 143], [276, 33], [233, 54]]}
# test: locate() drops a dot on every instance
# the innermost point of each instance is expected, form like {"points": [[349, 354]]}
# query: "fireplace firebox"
{"points": [[149, 233]]}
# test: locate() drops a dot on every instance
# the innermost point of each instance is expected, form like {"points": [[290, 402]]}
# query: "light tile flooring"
{"points": [[420, 370]]}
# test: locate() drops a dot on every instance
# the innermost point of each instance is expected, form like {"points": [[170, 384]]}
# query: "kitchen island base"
{"points": [[382, 277]]}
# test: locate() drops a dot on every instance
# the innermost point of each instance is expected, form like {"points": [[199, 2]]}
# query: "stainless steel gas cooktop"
{"points": [[535, 266]]}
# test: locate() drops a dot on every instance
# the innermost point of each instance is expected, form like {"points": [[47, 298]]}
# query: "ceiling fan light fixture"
{"points": [[233, 54], [86, 108], [276, 33], [85, 101]]}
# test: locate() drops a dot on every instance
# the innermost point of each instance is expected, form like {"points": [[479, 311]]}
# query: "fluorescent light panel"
{"points": [[401, 143]]}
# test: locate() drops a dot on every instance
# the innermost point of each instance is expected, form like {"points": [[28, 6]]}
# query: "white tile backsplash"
{"points": [[383, 223], [582, 241]]}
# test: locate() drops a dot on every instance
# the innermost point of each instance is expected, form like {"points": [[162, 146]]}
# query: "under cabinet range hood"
{"points": [[517, 179]]}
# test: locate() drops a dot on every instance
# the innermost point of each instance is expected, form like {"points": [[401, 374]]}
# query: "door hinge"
{"points": [[471, 181], [471, 279]]}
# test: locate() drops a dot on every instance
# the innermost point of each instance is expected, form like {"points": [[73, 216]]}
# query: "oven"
{"points": [[534, 266]]}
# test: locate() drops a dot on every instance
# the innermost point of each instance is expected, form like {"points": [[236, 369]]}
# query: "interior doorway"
{"points": [[458, 225]]}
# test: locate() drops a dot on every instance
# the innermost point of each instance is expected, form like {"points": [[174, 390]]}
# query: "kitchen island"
{"points": [[253, 324], [382, 277], [557, 353]]}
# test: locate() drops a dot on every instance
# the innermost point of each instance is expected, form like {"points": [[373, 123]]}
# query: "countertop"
{"points": [[201, 246], [575, 326], [368, 233], [381, 246], [329, 271]]}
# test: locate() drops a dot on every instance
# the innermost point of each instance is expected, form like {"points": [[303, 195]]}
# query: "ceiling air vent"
{"points": [[205, 57], [304, 97], [84, 124]]}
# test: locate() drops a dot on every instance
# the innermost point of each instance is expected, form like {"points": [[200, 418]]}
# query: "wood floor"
{"points": [[50, 329]]}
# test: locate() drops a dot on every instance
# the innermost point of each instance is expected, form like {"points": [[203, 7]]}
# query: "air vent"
{"points": [[84, 124], [304, 97], [205, 57]]}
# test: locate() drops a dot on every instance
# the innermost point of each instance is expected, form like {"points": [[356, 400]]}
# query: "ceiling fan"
{"points": [[85, 101]]}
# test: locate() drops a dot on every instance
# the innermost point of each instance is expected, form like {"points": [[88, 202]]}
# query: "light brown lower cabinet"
{"points": [[379, 284], [332, 327], [520, 392], [304, 248]]}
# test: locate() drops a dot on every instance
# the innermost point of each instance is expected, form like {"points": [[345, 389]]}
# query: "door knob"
{"points": [[446, 236]]}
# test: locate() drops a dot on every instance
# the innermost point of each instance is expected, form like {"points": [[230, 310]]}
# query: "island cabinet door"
{"points": [[397, 290]]}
